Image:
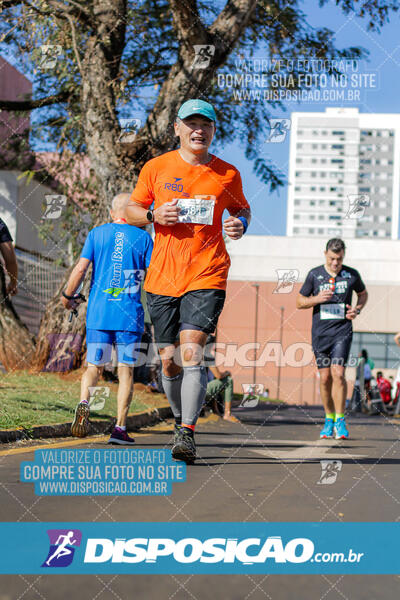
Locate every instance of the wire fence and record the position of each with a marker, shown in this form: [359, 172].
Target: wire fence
[38, 279]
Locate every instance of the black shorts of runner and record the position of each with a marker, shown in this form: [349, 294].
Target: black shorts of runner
[197, 310]
[336, 353]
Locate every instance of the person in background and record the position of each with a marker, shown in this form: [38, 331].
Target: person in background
[385, 387]
[10, 259]
[394, 387]
[368, 366]
[120, 255]
[221, 382]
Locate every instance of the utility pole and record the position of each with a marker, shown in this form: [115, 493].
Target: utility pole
[257, 286]
[279, 366]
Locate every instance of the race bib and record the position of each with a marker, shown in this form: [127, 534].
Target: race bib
[332, 311]
[196, 210]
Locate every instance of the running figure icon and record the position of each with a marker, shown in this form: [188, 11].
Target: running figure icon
[62, 549]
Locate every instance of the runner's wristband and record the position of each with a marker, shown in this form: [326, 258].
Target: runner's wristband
[245, 223]
[74, 297]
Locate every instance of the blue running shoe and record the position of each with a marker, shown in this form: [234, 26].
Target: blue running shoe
[341, 429]
[327, 431]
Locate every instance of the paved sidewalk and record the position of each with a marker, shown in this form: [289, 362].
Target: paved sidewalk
[266, 468]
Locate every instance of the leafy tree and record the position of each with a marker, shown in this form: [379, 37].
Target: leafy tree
[116, 59]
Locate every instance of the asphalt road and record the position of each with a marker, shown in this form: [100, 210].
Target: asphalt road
[266, 468]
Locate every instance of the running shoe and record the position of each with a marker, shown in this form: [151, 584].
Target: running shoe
[120, 437]
[327, 431]
[80, 424]
[177, 429]
[184, 448]
[341, 429]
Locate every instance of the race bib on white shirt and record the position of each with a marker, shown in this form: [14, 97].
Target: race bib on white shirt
[196, 210]
[332, 311]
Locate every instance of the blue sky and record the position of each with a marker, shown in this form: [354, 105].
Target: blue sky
[269, 209]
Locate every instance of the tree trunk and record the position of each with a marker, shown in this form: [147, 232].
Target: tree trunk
[61, 341]
[17, 345]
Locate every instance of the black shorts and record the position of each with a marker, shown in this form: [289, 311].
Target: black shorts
[336, 353]
[199, 309]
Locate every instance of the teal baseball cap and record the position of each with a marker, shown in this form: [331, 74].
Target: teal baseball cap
[197, 107]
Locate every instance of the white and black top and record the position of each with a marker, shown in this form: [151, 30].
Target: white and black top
[329, 318]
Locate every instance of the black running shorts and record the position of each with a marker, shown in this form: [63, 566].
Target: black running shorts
[198, 310]
[336, 353]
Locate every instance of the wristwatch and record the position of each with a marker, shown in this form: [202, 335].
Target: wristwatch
[358, 310]
[150, 216]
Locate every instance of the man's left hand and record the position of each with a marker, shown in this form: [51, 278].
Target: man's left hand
[71, 304]
[351, 312]
[233, 228]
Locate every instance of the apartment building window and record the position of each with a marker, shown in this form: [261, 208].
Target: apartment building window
[337, 132]
[295, 230]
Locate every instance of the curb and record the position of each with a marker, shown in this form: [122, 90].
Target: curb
[133, 423]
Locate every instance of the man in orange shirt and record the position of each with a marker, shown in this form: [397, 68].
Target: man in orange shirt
[186, 279]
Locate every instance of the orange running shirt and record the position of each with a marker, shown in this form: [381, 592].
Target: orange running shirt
[187, 256]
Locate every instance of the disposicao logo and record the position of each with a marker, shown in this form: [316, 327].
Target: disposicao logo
[62, 547]
[190, 550]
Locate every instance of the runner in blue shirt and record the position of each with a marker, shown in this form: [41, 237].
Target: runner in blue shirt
[120, 254]
[328, 290]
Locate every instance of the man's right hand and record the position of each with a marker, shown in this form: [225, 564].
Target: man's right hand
[167, 214]
[324, 296]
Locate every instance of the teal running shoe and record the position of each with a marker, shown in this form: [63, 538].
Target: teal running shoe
[327, 431]
[341, 429]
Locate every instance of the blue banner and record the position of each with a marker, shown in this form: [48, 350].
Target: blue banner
[111, 472]
[91, 548]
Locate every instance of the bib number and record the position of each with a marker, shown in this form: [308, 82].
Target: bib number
[196, 210]
[332, 311]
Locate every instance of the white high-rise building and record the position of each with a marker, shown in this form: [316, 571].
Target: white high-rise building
[344, 174]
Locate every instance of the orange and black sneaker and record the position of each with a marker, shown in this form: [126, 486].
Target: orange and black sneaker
[80, 424]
